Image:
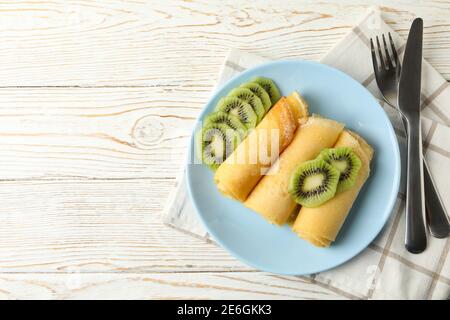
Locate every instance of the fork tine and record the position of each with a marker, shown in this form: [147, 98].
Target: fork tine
[386, 51]
[374, 57]
[394, 53]
[380, 54]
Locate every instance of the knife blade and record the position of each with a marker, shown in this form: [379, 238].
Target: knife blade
[410, 77]
[409, 104]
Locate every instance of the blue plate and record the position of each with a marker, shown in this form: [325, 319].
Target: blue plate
[253, 240]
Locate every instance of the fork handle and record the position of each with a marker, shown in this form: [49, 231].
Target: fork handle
[416, 236]
[437, 218]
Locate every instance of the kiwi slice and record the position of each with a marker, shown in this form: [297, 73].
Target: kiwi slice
[260, 93]
[270, 87]
[228, 119]
[218, 141]
[240, 109]
[313, 183]
[252, 99]
[346, 162]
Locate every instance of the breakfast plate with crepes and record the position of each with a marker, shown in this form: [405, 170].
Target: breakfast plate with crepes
[294, 168]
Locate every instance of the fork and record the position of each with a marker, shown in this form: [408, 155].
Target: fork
[387, 75]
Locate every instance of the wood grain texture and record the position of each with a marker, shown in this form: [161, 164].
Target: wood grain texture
[97, 226]
[86, 174]
[97, 102]
[74, 285]
[183, 43]
[108, 133]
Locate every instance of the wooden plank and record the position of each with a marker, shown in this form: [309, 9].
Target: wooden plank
[180, 43]
[66, 152]
[242, 285]
[95, 132]
[97, 226]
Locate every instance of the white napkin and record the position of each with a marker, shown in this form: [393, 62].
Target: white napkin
[385, 270]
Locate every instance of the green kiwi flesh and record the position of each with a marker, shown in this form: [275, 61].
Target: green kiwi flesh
[260, 93]
[233, 117]
[240, 109]
[313, 183]
[218, 141]
[228, 119]
[346, 162]
[252, 99]
[270, 87]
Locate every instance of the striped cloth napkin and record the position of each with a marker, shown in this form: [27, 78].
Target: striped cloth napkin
[385, 270]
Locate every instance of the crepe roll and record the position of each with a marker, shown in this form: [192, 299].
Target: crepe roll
[321, 225]
[271, 198]
[242, 170]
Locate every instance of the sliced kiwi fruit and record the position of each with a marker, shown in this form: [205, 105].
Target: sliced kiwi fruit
[252, 99]
[346, 162]
[270, 87]
[260, 93]
[228, 119]
[218, 141]
[313, 183]
[239, 108]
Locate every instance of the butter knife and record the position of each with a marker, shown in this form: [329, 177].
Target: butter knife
[409, 104]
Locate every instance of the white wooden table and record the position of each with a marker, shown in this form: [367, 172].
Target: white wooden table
[97, 100]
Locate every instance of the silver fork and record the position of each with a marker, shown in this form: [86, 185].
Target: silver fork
[387, 75]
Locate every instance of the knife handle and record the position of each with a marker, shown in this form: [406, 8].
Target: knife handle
[437, 218]
[416, 235]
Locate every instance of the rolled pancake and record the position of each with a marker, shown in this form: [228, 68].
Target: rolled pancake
[271, 198]
[321, 225]
[242, 170]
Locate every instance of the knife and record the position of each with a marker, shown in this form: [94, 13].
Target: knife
[409, 104]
